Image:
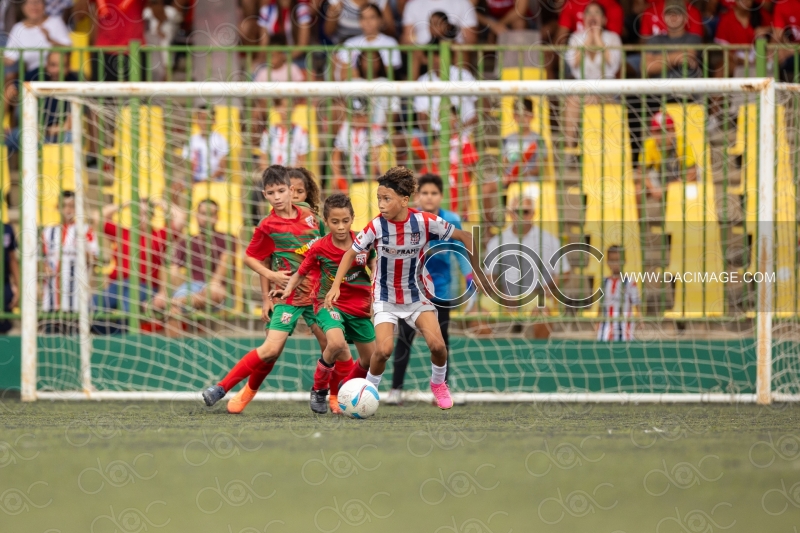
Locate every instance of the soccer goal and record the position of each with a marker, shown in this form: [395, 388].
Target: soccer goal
[692, 182]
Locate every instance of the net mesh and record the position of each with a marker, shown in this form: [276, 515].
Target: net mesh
[670, 180]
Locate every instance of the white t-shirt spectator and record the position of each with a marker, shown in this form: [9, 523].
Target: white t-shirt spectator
[60, 252]
[507, 269]
[430, 104]
[417, 15]
[284, 146]
[348, 24]
[356, 143]
[594, 68]
[205, 153]
[22, 36]
[389, 54]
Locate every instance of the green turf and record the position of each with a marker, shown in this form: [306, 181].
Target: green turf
[130, 467]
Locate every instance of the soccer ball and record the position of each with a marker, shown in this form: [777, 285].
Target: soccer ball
[358, 398]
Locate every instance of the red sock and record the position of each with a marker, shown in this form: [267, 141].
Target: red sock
[322, 375]
[246, 366]
[259, 375]
[340, 370]
[356, 371]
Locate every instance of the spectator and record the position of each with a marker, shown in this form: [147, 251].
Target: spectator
[427, 107]
[371, 37]
[620, 300]
[438, 266]
[417, 16]
[786, 21]
[56, 120]
[7, 20]
[571, 18]
[278, 68]
[520, 235]
[343, 18]
[152, 254]
[208, 149]
[666, 157]
[499, 16]
[360, 143]
[206, 257]
[385, 109]
[283, 143]
[118, 23]
[59, 256]
[35, 31]
[674, 63]
[525, 153]
[11, 276]
[58, 8]
[594, 54]
[742, 25]
[286, 22]
[654, 20]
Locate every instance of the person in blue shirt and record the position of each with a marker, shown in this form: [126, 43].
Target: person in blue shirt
[429, 199]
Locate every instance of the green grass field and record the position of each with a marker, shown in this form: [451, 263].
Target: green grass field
[130, 467]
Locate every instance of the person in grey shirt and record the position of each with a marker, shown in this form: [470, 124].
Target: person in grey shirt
[671, 63]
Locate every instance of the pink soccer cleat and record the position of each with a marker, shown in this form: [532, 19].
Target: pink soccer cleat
[442, 395]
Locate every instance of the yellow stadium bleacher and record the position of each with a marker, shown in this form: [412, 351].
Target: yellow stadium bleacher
[79, 59]
[58, 174]
[363, 195]
[540, 123]
[690, 120]
[228, 123]
[695, 247]
[611, 211]
[149, 163]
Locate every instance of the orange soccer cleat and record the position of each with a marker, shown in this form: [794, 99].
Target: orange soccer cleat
[237, 404]
[334, 403]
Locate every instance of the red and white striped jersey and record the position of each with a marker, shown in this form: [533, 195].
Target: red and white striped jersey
[619, 298]
[400, 277]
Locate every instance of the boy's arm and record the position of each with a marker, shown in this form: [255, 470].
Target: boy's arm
[279, 278]
[220, 270]
[219, 172]
[294, 281]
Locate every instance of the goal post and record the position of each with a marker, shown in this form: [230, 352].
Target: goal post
[116, 378]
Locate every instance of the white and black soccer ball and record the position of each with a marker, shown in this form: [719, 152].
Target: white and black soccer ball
[358, 398]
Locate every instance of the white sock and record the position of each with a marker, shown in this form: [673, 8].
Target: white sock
[438, 373]
[375, 380]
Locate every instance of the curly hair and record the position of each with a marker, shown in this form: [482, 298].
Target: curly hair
[399, 179]
[310, 183]
[275, 175]
[337, 201]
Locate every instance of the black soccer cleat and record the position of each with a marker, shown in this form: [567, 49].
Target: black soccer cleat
[213, 394]
[319, 401]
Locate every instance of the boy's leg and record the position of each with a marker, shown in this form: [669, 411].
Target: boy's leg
[444, 325]
[323, 374]
[428, 324]
[384, 344]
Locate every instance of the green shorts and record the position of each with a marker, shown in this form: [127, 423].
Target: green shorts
[285, 317]
[356, 329]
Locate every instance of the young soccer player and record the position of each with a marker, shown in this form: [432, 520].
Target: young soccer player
[399, 235]
[621, 299]
[350, 319]
[280, 236]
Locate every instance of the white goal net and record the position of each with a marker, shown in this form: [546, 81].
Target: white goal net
[148, 191]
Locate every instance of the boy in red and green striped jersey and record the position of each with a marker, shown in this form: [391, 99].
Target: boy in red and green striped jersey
[350, 320]
[282, 237]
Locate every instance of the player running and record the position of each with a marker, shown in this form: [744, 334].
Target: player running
[400, 290]
[282, 235]
[350, 319]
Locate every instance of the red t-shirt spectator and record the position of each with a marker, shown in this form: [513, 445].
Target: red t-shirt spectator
[787, 15]
[731, 31]
[152, 255]
[652, 21]
[572, 15]
[119, 22]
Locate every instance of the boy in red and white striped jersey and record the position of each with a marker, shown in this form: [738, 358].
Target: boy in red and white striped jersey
[400, 288]
[620, 299]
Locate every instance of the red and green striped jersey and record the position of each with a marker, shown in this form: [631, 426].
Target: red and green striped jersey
[355, 293]
[286, 241]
